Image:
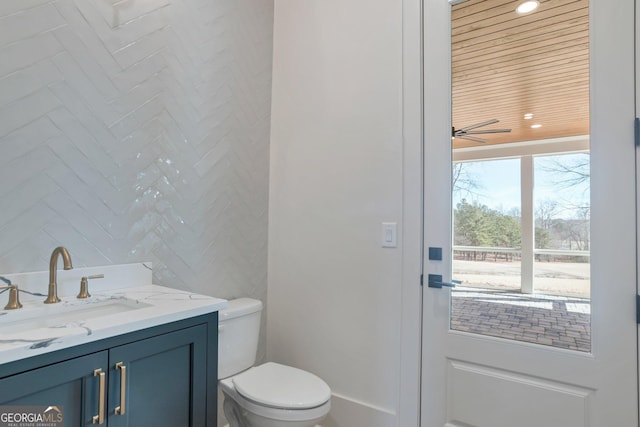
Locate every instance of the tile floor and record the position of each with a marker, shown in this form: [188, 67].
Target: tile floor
[557, 321]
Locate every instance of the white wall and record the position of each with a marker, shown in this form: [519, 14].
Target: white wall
[336, 175]
[136, 131]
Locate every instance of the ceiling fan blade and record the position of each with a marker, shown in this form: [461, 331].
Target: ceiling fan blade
[465, 132]
[471, 138]
[478, 125]
[478, 132]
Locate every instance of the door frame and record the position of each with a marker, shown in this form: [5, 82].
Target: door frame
[410, 395]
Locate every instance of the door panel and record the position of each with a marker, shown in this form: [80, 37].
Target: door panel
[480, 393]
[475, 380]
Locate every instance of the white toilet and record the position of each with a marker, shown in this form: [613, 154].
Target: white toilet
[269, 395]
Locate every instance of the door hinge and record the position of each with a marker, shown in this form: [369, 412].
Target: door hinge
[638, 309]
[636, 131]
[422, 281]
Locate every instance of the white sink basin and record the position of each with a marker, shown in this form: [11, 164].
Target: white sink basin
[60, 315]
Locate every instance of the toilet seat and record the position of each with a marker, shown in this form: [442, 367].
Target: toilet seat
[278, 414]
[283, 387]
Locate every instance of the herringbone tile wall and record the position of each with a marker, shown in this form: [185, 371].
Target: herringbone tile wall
[136, 130]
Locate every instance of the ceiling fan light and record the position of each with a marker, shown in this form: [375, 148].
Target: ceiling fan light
[527, 7]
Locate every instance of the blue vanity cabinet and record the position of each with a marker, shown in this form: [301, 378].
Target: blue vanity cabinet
[71, 386]
[165, 376]
[162, 383]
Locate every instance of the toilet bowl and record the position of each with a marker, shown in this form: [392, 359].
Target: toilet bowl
[272, 395]
[268, 395]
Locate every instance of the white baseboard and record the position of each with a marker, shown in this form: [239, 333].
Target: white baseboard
[346, 412]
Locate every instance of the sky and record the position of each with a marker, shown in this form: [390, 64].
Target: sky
[498, 184]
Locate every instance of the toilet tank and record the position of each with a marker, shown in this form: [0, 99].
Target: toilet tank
[238, 332]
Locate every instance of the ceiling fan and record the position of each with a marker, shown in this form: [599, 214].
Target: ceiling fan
[466, 132]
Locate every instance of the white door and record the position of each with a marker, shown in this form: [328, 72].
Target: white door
[470, 379]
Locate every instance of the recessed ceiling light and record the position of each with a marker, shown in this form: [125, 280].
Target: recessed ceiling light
[528, 116]
[527, 7]
[536, 126]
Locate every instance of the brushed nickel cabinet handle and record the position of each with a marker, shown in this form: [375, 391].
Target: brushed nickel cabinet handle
[120, 410]
[99, 419]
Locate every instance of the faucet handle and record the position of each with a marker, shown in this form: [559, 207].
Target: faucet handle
[14, 297]
[84, 285]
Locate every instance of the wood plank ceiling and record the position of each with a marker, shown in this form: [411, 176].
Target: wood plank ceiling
[506, 65]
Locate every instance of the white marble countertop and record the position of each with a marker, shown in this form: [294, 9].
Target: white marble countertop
[40, 328]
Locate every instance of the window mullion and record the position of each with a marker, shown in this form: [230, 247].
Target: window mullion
[527, 224]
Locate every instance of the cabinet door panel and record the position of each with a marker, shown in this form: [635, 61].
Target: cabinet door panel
[165, 383]
[69, 385]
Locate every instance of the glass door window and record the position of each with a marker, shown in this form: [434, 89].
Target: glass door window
[540, 295]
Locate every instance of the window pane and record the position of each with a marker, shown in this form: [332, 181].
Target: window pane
[488, 251]
[487, 233]
[562, 215]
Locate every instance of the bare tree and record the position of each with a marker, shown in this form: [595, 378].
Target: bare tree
[570, 171]
[546, 212]
[462, 180]
[572, 174]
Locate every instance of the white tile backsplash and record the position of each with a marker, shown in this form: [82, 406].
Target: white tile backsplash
[134, 131]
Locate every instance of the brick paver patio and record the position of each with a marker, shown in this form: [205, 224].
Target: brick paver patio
[542, 319]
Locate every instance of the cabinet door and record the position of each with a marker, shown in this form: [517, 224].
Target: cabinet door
[71, 386]
[163, 383]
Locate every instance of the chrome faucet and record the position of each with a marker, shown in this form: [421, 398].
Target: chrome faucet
[53, 271]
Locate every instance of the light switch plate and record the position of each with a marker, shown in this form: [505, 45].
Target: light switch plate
[389, 234]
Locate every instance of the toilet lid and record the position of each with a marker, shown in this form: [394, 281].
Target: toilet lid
[282, 386]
